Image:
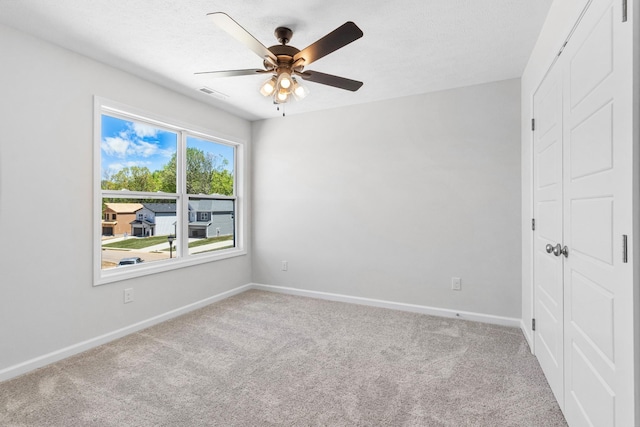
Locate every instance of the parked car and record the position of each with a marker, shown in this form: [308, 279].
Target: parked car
[130, 261]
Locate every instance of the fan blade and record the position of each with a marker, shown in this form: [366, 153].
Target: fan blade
[331, 80]
[235, 30]
[233, 73]
[333, 41]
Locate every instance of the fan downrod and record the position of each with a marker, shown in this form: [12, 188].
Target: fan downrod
[283, 34]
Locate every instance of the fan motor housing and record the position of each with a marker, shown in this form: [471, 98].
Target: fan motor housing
[284, 54]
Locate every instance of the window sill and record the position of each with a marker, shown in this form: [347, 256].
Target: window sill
[112, 275]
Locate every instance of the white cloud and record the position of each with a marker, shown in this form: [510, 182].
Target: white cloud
[125, 146]
[114, 167]
[143, 148]
[144, 131]
[115, 146]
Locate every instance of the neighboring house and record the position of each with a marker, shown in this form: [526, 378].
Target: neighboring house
[154, 219]
[207, 218]
[210, 218]
[117, 216]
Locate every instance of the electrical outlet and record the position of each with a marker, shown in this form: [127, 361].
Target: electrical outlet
[128, 295]
[456, 283]
[285, 266]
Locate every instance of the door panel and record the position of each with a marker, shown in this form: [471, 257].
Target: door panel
[593, 60]
[589, 395]
[592, 144]
[547, 277]
[548, 227]
[597, 177]
[589, 297]
[591, 228]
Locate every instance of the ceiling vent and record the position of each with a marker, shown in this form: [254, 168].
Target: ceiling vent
[213, 93]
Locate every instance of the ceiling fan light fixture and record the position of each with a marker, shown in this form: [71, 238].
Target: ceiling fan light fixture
[299, 91]
[284, 80]
[283, 61]
[281, 96]
[269, 86]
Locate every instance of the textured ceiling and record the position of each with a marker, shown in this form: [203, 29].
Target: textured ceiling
[409, 46]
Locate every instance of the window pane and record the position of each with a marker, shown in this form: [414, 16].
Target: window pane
[210, 167]
[136, 156]
[141, 232]
[211, 225]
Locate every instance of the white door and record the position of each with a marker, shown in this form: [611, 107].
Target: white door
[547, 278]
[597, 213]
[583, 172]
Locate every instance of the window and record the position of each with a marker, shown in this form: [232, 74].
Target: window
[176, 190]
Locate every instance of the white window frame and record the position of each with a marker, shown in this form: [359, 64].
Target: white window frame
[183, 259]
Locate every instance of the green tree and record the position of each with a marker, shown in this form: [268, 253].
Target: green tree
[133, 178]
[206, 174]
[222, 182]
[167, 176]
[200, 166]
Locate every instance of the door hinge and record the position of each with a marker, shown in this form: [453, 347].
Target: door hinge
[533, 124]
[533, 324]
[624, 249]
[533, 224]
[562, 48]
[624, 10]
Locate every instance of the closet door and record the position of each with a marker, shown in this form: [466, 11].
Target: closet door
[548, 268]
[597, 213]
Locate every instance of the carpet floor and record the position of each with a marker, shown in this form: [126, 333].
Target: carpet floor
[267, 359]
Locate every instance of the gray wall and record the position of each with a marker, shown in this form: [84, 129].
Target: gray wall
[389, 200]
[47, 301]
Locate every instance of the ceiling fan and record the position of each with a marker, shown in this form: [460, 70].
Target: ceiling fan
[284, 62]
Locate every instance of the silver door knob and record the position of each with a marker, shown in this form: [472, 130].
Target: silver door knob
[549, 248]
[559, 250]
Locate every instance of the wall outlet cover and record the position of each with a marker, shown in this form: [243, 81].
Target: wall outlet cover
[128, 295]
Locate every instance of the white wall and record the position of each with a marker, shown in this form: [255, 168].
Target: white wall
[47, 301]
[561, 18]
[389, 200]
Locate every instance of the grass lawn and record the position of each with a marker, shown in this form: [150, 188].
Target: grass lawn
[137, 242]
[201, 242]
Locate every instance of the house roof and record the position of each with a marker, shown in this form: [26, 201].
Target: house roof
[209, 205]
[198, 224]
[145, 223]
[160, 207]
[122, 208]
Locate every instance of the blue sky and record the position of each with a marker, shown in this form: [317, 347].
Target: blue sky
[127, 143]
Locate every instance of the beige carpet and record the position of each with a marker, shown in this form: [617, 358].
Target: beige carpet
[266, 359]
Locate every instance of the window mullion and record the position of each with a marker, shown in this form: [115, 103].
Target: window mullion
[183, 200]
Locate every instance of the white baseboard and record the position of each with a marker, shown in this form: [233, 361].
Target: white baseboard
[30, 365]
[434, 311]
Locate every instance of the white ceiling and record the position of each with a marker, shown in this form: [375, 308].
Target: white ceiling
[409, 46]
